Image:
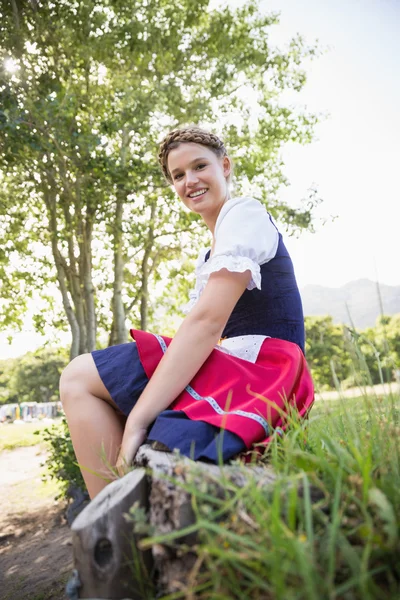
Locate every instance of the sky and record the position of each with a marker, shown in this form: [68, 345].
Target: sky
[354, 161]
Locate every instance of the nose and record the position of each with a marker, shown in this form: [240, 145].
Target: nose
[191, 178]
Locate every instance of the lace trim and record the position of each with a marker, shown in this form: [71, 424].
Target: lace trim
[194, 295]
[234, 264]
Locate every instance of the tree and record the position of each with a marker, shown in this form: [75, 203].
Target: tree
[33, 377]
[393, 338]
[87, 88]
[7, 395]
[326, 351]
[338, 353]
[379, 348]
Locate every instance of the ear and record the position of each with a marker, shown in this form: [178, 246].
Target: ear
[227, 167]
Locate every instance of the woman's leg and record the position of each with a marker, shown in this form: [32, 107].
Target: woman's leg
[94, 421]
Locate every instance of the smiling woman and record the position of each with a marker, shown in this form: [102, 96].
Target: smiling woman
[223, 384]
[200, 178]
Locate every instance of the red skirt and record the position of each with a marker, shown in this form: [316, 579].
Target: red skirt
[251, 400]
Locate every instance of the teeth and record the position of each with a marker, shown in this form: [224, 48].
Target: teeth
[197, 193]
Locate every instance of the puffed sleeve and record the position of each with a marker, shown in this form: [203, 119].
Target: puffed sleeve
[245, 238]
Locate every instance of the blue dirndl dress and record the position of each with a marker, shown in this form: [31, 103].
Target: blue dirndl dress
[245, 239]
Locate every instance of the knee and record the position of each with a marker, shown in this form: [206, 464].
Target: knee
[73, 378]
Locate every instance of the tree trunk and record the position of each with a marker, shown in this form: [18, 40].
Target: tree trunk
[15, 14]
[61, 268]
[103, 540]
[88, 286]
[144, 309]
[74, 273]
[118, 331]
[144, 299]
[74, 278]
[104, 543]
[73, 323]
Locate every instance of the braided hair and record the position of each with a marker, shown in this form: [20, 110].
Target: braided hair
[195, 135]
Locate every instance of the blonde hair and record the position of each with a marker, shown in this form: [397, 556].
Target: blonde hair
[194, 135]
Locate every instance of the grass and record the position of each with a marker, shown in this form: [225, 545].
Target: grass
[17, 436]
[329, 528]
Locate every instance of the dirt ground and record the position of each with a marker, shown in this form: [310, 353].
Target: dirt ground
[35, 541]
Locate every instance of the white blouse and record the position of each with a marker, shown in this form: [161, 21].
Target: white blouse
[245, 238]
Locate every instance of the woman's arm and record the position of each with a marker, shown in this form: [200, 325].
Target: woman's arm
[190, 347]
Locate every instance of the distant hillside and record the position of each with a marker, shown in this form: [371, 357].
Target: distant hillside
[361, 298]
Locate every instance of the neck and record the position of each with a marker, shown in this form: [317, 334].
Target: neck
[211, 219]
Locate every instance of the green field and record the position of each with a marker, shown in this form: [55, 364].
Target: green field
[16, 436]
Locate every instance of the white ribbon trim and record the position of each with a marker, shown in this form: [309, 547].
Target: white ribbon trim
[214, 404]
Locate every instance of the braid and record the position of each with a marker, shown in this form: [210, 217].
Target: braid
[188, 134]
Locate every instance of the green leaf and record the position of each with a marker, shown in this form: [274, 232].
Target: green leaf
[385, 511]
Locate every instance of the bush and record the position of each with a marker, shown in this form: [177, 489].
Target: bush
[62, 463]
[33, 377]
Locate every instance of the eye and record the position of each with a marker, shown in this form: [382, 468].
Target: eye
[177, 177]
[201, 166]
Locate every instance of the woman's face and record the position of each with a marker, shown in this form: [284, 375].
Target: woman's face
[199, 178]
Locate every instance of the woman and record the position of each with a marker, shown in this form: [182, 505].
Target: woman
[210, 401]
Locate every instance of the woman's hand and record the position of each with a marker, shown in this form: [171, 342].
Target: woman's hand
[132, 440]
[191, 346]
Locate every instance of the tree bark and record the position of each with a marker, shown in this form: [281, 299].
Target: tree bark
[15, 14]
[144, 299]
[118, 330]
[50, 201]
[156, 486]
[103, 540]
[88, 286]
[74, 274]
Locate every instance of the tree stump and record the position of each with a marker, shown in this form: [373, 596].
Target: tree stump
[104, 542]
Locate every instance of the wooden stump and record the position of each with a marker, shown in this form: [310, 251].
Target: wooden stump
[103, 538]
[170, 505]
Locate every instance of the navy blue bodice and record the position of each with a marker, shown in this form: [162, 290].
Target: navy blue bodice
[275, 310]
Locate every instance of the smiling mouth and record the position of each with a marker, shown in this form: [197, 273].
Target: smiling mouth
[198, 194]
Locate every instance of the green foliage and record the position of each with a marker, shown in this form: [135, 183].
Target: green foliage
[33, 377]
[94, 87]
[391, 331]
[37, 375]
[325, 346]
[355, 358]
[7, 394]
[61, 462]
